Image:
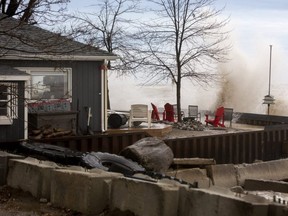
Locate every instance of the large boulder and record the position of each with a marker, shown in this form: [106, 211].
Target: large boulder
[152, 153]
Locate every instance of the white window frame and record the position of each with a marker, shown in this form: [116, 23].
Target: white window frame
[50, 70]
[12, 103]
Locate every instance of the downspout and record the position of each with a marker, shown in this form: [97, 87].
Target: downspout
[26, 97]
[104, 96]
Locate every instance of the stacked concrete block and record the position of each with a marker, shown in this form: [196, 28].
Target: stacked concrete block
[31, 175]
[224, 175]
[277, 210]
[86, 192]
[3, 168]
[191, 176]
[144, 198]
[266, 185]
[270, 170]
[229, 175]
[208, 202]
[94, 191]
[4, 158]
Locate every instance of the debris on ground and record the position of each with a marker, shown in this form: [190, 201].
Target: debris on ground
[190, 124]
[17, 202]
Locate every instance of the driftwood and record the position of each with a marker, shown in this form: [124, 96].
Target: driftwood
[49, 132]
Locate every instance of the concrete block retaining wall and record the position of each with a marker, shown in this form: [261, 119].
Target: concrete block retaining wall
[228, 175]
[271, 170]
[82, 191]
[192, 175]
[95, 191]
[215, 202]
[144, 198]
[266, 185]
[4, 158]
[31, 175]
[224, 175]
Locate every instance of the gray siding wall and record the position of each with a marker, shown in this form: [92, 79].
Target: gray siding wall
[86, 82]
[86, 87]
[10, 133]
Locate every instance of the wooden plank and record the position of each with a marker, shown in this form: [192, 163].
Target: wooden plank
[194, 161]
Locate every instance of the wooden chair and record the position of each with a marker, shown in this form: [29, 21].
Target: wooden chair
[168, 114]
[139, 113]
[193, 112]
[175, 110]
[218, 119]
[228, 115]
[155, 114]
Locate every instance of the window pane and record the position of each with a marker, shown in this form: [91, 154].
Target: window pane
[3, 108]
[9, 100]
[37, 87]
[49, 86]
[3, 92]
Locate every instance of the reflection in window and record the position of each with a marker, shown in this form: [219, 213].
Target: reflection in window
[9, 99]
[49, 85]
[3, 100]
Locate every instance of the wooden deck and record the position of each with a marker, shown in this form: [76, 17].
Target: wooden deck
[156, 129]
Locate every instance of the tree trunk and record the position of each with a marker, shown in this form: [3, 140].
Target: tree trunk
[108, 94]
[178, 95]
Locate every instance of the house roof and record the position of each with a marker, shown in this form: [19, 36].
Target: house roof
[20, 40]
[8, 73]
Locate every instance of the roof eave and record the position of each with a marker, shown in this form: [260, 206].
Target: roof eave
[60, 58]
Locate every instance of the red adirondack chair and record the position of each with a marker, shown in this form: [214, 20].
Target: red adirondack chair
[218, 119]
[168, 114]
[155, 114]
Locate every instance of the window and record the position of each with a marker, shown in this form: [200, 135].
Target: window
[8, 102]
[50, 83]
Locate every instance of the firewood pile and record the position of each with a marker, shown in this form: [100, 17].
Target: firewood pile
[48, 131]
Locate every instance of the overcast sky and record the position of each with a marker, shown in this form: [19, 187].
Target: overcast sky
[254, 24]
[263, 19]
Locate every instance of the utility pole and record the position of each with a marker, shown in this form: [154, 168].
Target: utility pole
[268, 99]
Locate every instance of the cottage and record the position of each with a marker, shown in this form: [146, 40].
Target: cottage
[59, 75]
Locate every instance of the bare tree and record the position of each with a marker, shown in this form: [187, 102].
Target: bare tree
[34, 11]
[183, 41]
[18, 16]
[109, 28]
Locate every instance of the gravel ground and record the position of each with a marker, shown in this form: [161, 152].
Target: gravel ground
[14, 202]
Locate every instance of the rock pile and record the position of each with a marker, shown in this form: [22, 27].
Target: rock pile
[190, 124]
